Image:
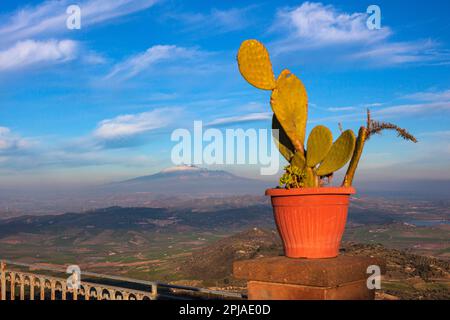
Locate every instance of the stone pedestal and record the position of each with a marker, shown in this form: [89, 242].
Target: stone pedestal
[282, 278]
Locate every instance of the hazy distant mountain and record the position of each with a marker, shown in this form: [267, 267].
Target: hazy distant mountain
[181, 186]
[193, 181]
[407, 189]
[187, 187]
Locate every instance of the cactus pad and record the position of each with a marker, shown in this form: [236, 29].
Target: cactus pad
[311, 180]
[290, 104]
[298, 160]
[283, 143]
[339, 154]
[255, 66]
[319, 143]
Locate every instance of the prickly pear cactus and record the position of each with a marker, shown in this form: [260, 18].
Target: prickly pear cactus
[311, 180]
[298, 160]
[290, 105]
[289, 101]
[339, 154]
[282, 140]
[255, 66]
[319, 143]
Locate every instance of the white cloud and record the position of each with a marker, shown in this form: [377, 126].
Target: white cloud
[386, 53]
[315, 24]
[25, 33]
[444, 134]
[257, 116]
[374, 104]
[93, 58]
[431, 103]
[49, 18]
[11, 142]
[217, 21]
[136, 64]
[131, 125]
[433, 108]
[339, 109]
[430, 96]
[30, 52]
[229, 20]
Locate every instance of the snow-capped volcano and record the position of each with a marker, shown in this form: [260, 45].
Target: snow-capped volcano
[188, 179]
[182, 168]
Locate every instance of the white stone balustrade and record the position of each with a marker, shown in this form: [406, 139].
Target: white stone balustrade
[15, 283]
[32, 286]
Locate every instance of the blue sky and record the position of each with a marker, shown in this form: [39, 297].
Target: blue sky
[99, 104]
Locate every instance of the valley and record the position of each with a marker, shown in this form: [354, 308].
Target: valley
[152, 243]
[194, 239]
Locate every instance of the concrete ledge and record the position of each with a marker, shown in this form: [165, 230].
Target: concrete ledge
[282, 278]
[310, 272]
[258, 290]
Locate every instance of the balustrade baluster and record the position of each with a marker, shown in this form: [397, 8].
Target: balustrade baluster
[42, 287]
[32, 288]
[63, 290]
[99, 293]
[13, 286]
[22, 287]
[154, 291]
[53, 289]
[112, 294]
[87, 291]
[12, 280]
[3, 281]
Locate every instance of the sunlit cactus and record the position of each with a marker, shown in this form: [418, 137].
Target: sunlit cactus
[315, 165]
[290, 105]
[255, 66]
[319, 143]
[340, 153]
[283, 142]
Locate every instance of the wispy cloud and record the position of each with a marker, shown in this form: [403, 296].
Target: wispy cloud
[429, 96]
[132, 125]
[136, 64]
[423, 104]
[427, 102]
[49, 18]
[11, 142]
[387, 53]
[257, 116]
[315, 26]
[339, 109]
[30, 35]
[320, 25]
[215, 21]
[432, 108]
[373, 104]
[30, 52]
[445, 134]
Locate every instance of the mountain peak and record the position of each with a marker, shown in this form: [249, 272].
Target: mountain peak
[182, 168]
[192, 180]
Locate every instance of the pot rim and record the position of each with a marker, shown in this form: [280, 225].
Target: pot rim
[275, 192]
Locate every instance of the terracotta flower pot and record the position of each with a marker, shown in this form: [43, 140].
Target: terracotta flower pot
[311, 221]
